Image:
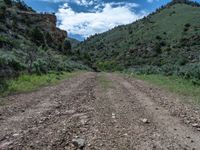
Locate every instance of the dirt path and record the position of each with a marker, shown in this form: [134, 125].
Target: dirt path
[99, 112]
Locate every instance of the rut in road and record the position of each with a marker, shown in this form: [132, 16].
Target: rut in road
[105, 111]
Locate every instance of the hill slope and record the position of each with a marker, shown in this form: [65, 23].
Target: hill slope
[30, 42]
[165, 41]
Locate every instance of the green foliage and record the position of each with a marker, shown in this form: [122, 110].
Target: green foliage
[174, 84]
[5, 41]
[67, 47]
[108, 66]
[49, 39]
[189, 71]
[8, 2]
[37, 36]
[9, 66]
[40, 67]
[26, 83]
[3, 85]
[2, 13]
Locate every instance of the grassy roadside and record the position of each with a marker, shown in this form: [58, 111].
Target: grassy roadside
[27, 83]
[174, 84]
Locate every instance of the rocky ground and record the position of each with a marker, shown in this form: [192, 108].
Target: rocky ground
[99, 112]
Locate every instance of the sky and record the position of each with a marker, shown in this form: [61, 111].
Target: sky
[83, 18]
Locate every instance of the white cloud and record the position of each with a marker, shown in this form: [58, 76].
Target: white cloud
[85, 2]
[78, 2]
[101, 19]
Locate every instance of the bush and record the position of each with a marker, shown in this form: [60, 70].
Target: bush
[67, 47]
[3, 85]
[109, 66]
[10, 66]
[187, 25]
[49, 39]
[188, 71]
[37, 36]
[40, 67]
[8, 2]
[2, 13]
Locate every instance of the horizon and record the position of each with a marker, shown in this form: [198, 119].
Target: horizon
[84, 18]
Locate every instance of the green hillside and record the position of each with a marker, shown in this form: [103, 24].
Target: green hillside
[167, 41]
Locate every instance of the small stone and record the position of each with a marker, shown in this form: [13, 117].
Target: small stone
[113, 116]
[195, 125]
[188, 122]
[79, 143]
[145, 120]
[84, 120]
[16, 134]
[4, 145]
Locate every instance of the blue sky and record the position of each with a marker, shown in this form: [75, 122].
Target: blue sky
[83, 18]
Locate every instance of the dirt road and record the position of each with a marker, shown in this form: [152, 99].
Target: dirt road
[99, 112]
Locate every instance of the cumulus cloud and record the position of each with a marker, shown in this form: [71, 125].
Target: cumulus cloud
[78, 2]
[104, 17]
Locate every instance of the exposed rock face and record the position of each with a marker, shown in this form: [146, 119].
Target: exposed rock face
[29, 41]
[47, 23]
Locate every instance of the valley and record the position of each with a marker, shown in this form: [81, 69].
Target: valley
[133, 87]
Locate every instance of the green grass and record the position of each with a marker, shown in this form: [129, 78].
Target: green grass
[27, 83]
[174, 84]
[104, 82]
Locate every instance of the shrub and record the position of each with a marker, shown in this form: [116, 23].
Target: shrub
[67, 47]
[21, 5]
[40, 67]
[10, 66]
[37, 36]
[2, 13]
[49, 39]
[158, 37]
[187, 25]
[8, 2]
[109, 66]
[3, 85]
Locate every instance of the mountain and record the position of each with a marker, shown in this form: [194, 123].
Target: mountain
[166, 41]
[74, 42]
[31, 42]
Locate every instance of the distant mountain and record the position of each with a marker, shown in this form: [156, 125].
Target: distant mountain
[74, 42]
[166, 41]
[31, 42]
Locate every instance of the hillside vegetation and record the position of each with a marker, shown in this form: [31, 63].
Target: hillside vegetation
[165, 42]
[31, 43]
